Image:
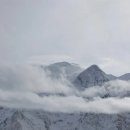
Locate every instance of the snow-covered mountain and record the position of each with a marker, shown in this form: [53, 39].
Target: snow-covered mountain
[63, 70]
[92, 76]
[73, 72]
[11, 119]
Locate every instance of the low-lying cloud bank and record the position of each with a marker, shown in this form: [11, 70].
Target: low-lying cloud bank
[20, 87]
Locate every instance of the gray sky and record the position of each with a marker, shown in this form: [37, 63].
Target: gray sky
[83, 31]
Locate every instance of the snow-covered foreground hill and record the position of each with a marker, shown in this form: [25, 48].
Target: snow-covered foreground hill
[12, 119]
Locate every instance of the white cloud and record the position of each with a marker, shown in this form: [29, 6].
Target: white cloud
[29, 78]
[19, 86]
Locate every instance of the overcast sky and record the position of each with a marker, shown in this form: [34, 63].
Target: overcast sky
[83, 31]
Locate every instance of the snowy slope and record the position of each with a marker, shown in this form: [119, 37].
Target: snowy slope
[39, 120]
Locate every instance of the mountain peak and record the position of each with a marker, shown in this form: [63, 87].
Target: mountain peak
[92, 76]
[94, 67]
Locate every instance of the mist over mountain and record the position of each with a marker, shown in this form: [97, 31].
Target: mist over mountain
[63, 70]
[62, 96]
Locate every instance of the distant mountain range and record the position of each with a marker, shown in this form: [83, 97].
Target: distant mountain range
[92, 76]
